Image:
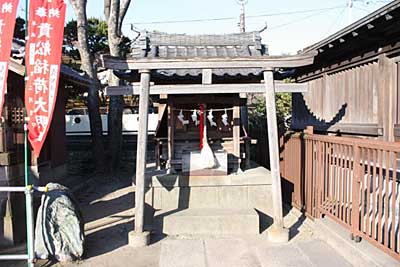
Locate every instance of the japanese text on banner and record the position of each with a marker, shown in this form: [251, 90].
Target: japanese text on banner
[44, 47]
[8, 11]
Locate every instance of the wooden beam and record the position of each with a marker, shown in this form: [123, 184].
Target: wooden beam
[386, 87]
[209, 99]
[397, 130]
[344, 128]
[388, 17]
[141, 151]
[171, 136]
[16, 67]
[207, 76]
[121, 90]
[236, 136]
[388, 50]
[261, 62]
[208, 89]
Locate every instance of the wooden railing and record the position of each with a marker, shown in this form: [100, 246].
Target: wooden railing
[356, 183]
[292, 168]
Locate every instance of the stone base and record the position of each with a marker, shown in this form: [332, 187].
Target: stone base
[139, 240]
[207, 221]
[278, 234]
[168, 194]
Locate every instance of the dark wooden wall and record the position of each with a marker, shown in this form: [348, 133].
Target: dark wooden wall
[57, 136]
[54, 150]
[359, 100]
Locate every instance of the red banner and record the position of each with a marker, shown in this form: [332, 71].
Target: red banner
[8, 11]
[43, 59]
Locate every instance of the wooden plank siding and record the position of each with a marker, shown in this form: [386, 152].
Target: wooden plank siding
[361, 100]
[397, 97]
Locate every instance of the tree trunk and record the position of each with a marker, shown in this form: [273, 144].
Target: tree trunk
[115, 11]
[87, 62]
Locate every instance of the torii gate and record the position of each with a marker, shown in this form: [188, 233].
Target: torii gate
[267, 64]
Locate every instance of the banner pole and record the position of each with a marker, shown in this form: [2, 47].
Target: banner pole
[25, 114]
[28, 197]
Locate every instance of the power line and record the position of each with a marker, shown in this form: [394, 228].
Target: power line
[339, 18]
[235, 18]
[382, 1]
[301, 19]
[363, 9]
[295, 12]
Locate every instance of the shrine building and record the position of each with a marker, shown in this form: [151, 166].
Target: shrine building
[201, 83]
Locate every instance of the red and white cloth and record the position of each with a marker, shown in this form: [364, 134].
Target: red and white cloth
[43, 59]
[8, 11]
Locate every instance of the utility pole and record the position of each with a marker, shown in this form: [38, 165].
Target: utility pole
[350, 4]
[242, 22]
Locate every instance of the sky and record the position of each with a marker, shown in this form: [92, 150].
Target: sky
[286, 33]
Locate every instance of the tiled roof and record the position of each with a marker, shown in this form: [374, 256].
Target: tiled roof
[170, 46]
[18, 55]
[18, 49]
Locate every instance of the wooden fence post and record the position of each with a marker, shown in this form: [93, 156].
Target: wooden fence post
[355, 206]
[309, 130]
[309, 173]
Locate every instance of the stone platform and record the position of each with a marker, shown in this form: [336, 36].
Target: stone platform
[206, 221]
[169, 194]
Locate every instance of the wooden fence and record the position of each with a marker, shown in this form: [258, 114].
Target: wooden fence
[292, 169]
[353, 181]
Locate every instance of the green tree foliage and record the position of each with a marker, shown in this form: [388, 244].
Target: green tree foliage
[97, 35]
[257, 112]
[97, 43]
[97, 38]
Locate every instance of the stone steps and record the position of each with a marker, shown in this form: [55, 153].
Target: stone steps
[209, 221]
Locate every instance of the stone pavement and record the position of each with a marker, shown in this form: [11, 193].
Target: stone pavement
[218, 252]
[235, 252]
[108, 212]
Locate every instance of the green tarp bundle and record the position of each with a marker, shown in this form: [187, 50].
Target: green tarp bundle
[59, 232]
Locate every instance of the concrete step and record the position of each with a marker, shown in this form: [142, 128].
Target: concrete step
[208, 221]
[358, 254]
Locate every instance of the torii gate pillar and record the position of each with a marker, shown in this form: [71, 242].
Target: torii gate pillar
[139, 237]
[276, 233]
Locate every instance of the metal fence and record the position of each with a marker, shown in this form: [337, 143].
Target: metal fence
[30, 257]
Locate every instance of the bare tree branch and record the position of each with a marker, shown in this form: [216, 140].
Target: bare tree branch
[113, 22]
[107, 4]
[79, 7]
[87, 65]
[124, 6]
[117, 12]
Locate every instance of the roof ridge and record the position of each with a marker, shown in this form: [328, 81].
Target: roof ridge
[234, 39]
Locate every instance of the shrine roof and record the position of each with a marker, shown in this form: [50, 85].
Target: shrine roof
[17, 65]
[357, 44]
[172, 46]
